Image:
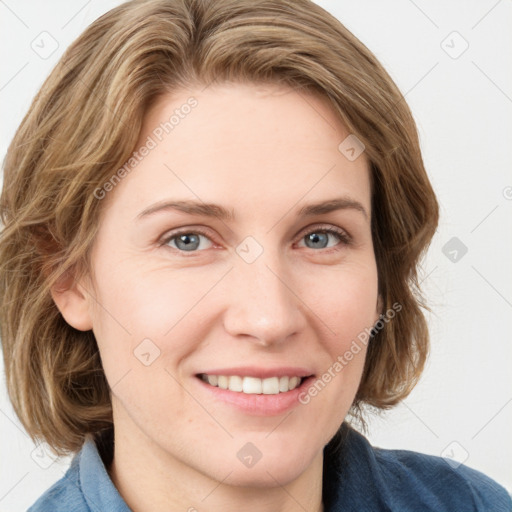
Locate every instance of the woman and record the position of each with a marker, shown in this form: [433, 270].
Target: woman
[213, 212]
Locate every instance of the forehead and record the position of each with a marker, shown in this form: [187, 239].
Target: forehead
[244, 145]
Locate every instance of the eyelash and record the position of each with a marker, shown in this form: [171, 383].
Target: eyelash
[344, 237]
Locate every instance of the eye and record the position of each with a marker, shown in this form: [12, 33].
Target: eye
[191, 240]
[318, 238]
[188, 241]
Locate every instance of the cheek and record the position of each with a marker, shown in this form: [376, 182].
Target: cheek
[153, 320]
[143, 315]
[347, 302]
[349, 308]
[167, 307]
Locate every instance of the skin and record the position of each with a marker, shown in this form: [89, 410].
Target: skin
[263, 152]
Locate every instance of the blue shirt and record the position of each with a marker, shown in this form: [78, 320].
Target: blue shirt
[357, 478]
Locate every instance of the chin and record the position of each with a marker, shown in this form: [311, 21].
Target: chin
[272, 473]
[258, 462]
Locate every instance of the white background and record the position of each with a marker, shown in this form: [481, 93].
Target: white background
[463, 107]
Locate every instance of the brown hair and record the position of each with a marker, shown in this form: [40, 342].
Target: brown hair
[84, 123]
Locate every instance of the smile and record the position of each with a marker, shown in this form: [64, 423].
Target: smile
[253, 385]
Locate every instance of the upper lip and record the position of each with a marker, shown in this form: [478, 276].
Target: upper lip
[261, 372]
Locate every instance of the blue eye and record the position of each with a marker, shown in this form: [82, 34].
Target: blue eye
[188, 241]
[319, 238]
[191, 241]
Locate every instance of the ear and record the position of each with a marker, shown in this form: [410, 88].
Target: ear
[72, 300]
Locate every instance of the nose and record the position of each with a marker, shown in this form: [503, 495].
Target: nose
[263, 305]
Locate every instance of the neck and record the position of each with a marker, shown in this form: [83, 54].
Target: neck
[148, 479]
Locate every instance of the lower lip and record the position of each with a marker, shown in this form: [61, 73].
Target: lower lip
[258, 404]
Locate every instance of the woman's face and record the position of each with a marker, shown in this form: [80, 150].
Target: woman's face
[263, 291]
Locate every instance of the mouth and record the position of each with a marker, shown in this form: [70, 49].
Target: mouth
[273, 385]
[256, 390]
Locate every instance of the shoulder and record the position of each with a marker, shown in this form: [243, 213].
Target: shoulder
[64, 495]
[363, 477]
[441, 484]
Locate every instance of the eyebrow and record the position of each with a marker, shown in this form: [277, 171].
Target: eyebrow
[220, 212]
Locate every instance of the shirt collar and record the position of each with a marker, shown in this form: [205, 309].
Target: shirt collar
[98, 489]
[347, 470]
[351, 477]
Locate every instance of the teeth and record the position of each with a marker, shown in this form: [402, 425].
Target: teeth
[236, 383]
[283, 384]
[270, 386]
[223, 382]
[253, 385]
[294, 382]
